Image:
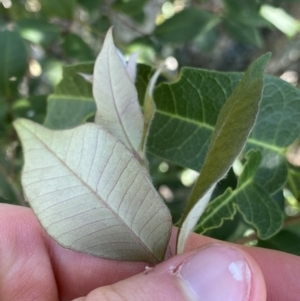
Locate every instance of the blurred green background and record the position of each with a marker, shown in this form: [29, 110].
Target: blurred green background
[38, 37]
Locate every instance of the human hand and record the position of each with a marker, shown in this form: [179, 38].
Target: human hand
[34, 267]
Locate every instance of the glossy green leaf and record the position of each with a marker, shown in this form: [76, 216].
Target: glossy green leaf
[250, 198]
[72, 102]
[13, 62]
[91, 194]
[234, 124]
[183, 26]
[118, 108]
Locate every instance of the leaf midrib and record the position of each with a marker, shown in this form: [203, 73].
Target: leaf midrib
[150, 255]
[211, 128]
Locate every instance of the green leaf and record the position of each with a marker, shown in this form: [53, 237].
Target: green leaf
[233, 126]
[58, 8]
[72, 102]
[183, 26]
[13, 62]
[118, 109]
[186, 114]
[244, 12]
[91, 194]
[272, 172]
[38, 31]
[249, 197]
[242, 33]
[75, 48]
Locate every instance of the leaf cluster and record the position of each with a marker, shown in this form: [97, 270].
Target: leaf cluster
[37, 40]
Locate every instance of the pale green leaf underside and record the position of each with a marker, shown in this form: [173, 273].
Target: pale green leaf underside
[118, 109]
[250, 198]
[191, 219]
[234, 124]
[91, 194]
[73, 103]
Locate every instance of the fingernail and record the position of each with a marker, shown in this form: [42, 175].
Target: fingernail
[216, 273]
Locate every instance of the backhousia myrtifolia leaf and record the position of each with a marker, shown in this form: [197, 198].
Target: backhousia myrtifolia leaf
[118, 109]
[91, 194]
[87, 185]
[192, 158]
[186, 114]
[249, 198]
[235, 121]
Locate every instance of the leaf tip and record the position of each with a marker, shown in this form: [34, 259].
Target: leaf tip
[263, 60]
[109, 35]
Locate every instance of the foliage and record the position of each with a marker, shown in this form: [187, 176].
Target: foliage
[47, 45]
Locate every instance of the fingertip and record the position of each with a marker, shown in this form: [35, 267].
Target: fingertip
[258, 285]
[212, 273]
[222, 272]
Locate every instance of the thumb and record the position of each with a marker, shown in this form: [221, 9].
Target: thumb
[216, 272]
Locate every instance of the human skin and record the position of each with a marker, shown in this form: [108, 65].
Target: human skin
[35, 267]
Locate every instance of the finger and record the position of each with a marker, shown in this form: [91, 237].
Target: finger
[26, 271]
[212, 273]
[25, 247]
[35, 267]
[281, 270]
